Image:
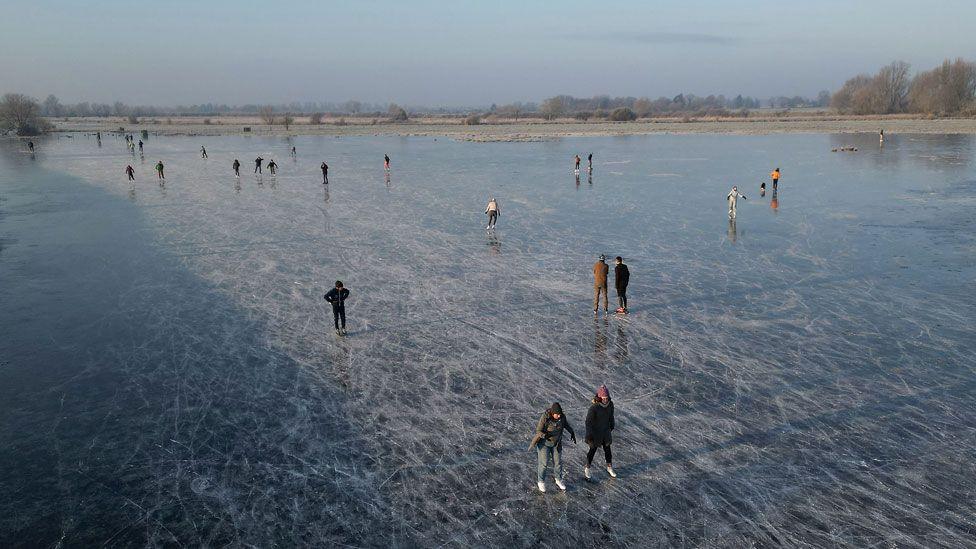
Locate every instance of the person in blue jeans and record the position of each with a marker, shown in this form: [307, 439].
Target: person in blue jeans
[548, 442]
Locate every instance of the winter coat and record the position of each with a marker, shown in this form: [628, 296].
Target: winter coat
[337, 297]
[621, 276]
[599, 424]
[550, 431]
[600, 271]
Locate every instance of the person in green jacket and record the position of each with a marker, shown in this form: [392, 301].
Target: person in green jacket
[548, 442]
[159, 170]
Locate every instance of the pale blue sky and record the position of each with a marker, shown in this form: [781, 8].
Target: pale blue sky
[462, 53]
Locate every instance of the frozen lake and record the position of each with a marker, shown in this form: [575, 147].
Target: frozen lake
[805, 376]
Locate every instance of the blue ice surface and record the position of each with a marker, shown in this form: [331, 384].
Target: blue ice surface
[802, 377]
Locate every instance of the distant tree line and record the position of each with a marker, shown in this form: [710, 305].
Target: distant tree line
[946, 90]
[604, 106]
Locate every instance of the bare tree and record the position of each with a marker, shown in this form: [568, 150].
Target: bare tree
[553, 107]
[316, 118]
[21, 113]
[287, 120]
[52, 107]
[397, 113]
[267, 114]
[119, 109]
[946, 89]
[891, 88]
[352, 107]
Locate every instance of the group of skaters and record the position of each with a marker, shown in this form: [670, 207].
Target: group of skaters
[734, 195]
[548, 439]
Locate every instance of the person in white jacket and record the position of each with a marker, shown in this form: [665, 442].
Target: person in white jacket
[492, 211]
[733, 197]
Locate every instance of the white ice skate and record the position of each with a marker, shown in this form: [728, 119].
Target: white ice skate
[542, 487]
[610, 472]
[586, 472]
[559, 483]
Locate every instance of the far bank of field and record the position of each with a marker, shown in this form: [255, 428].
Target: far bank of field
[525, 130]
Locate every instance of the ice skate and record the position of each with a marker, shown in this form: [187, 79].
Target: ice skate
[586, 472]
[559, 483]
[542, 486]
[610, 472]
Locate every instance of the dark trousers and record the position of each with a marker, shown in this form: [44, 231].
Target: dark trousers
[622, 297]
[325, 177]
[237, 172]
[339, 313]
[775, 183]
[606, 454]
[257, 169]
[132, 177]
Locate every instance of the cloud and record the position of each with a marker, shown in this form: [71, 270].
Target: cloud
[663, 38]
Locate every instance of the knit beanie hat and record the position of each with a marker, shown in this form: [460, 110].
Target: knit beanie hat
[603, 392]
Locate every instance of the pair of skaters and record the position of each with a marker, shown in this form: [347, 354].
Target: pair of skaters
[621, 278]
[548, 439]
[589, 160]
[272, 166]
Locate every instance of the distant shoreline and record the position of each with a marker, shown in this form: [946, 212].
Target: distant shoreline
[527, 130]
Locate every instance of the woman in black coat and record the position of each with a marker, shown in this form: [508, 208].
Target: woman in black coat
[599, 424]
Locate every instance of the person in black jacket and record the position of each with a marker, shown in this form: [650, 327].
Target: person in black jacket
[548, 441]
[237, 167]
[621, 277]
[337, 297]
[325, 173]
[599, 424]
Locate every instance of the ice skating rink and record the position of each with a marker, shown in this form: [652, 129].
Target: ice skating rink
[802, 377]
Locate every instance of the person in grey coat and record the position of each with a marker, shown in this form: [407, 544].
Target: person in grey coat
[548, 442]
[599, 425]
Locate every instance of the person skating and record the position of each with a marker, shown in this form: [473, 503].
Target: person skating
[386, 162]
[337, 297]
[548, 442]
[325, 173]
[272, 167]
[881, 138]
[775, 177]
[733, 197]
[257, 164]
[237, 167]
[621, 277]
[30, 146]
[599, 425]
[762, 188]
[294, 153]
[492, 211]
[600, 271]
[203, 152]
[577, 163]
[140, 146]
[589, 162]
[159, 170]
[130, 173]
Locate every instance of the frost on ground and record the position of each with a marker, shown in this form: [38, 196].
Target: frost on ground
[802, 377]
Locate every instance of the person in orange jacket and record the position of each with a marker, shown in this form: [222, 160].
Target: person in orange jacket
[775, 178]
[600, 272]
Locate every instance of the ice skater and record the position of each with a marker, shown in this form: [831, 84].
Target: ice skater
[733, 197]
[237, 168]
[621, 278]
[386, 162]
[775, 177]
[30, 146]
[159, 171]
[577, 164]
[203, 152]
[589, 163]
[257, 164]
[881, 138]
[272, 167]
[337, 298]
[548, 443]
[762, 188]
[600, 271]
[294, 153]
[325, 173]
[140, 146]
[599, 425]
[492, 211]
[130, 173]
